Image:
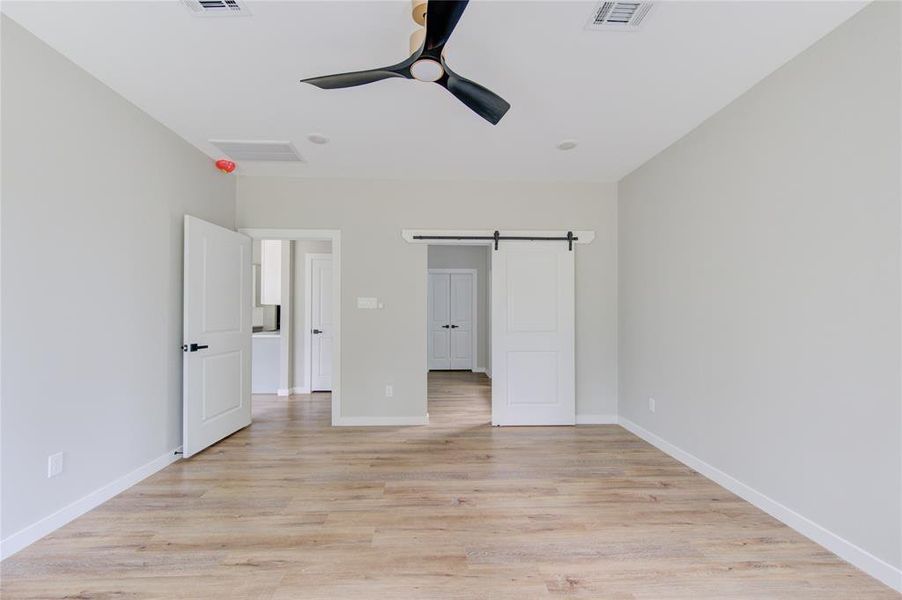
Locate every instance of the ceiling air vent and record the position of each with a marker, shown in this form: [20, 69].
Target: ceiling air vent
[619, 16]
[274, 151]
[217, 8]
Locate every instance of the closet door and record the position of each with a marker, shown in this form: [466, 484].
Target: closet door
[439, 321]
[461, 321]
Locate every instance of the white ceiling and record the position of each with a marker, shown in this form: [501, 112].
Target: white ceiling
[624, 95]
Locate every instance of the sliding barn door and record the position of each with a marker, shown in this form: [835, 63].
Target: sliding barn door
[218, 297]
[533, 362]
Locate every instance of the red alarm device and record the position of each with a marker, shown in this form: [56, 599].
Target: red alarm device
[226, 166]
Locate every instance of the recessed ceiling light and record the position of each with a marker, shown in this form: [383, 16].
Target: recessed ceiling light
[567, 145]
[318, 138]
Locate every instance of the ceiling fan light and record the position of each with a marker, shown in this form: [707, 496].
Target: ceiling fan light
[426, 70]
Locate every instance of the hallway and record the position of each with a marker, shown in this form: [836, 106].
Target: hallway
[459, 398]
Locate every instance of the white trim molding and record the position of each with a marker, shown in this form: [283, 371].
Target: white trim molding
[326, 235]
[587, 419]
[381, 421]
[585, 236]
[861, 558]
[29, 535]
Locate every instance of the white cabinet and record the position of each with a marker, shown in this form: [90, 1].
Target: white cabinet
[271, 272]
[265, 363]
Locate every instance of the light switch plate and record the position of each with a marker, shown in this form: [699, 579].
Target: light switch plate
[367, 303]
[54, 464]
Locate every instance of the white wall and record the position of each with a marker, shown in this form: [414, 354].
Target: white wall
[301, 249]
[94, 192]
[760, 287]
[470, 257]
[389, 345]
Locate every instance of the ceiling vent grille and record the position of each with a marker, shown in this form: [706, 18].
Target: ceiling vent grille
[619, 16]
[270, 151]
[217, 8]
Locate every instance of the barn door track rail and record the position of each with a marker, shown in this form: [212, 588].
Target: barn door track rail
[497, 237]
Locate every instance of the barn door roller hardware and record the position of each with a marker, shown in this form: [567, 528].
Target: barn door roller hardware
[497, 237]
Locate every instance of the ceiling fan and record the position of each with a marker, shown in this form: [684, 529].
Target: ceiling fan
[427, 63]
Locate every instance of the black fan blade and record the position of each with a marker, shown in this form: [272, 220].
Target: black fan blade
[441, 19]
[484, 102]
[345, 80]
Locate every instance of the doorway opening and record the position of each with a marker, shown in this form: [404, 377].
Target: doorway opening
[532, 306]
[295, 350]
[459, 334]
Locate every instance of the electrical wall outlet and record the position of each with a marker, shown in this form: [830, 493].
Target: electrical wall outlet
[651, 404]
[54, 464]
[389, 391]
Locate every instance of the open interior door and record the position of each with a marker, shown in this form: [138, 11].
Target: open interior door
[533, 357]
[216, 376]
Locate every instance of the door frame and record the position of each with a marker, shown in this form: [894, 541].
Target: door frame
[474, 275]
[308, 316]
[323, 235]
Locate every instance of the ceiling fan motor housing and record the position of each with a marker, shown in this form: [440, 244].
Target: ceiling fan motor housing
[418, 12]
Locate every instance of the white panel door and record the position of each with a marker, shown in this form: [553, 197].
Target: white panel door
[439, 321]
[216, 377]
[323, 324]
[461, 320]
[533, 363]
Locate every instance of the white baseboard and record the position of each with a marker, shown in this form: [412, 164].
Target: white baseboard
[380, 421]
[864, 560]
[596, 419]
[483, 370]
[300, 390]
[283, 392]
[32, 533]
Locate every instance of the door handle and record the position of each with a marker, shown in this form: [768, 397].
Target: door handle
[455, 326]
[316, 331]
[193, 347]
[446, 327]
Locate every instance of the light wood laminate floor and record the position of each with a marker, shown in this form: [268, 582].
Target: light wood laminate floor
[291, 508]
